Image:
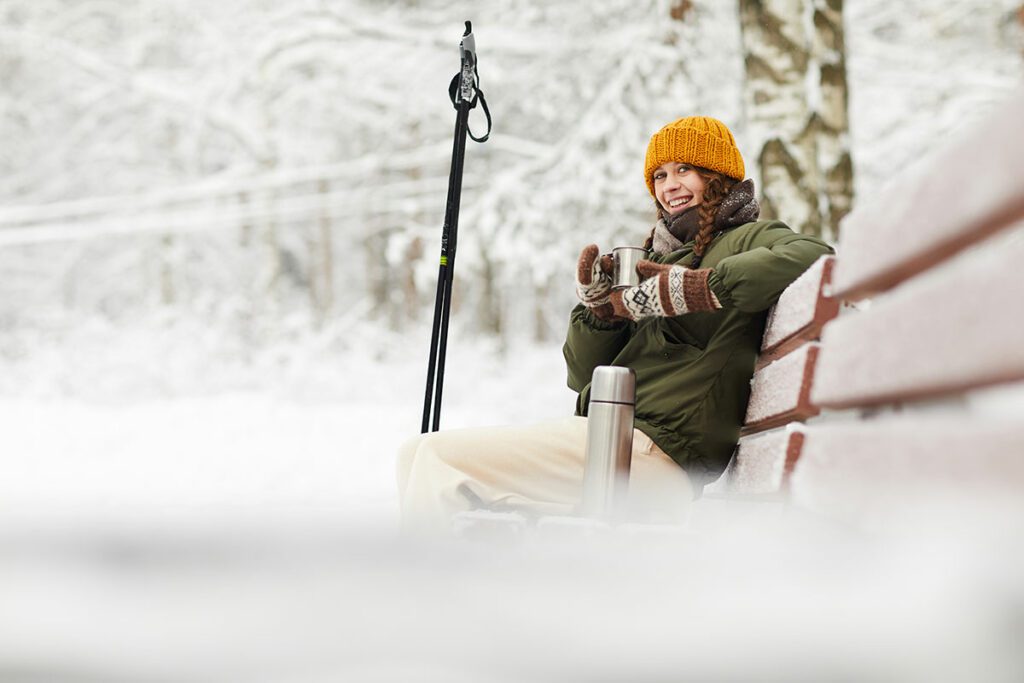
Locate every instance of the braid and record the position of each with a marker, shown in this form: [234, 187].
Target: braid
[716, 187]
[649, 242]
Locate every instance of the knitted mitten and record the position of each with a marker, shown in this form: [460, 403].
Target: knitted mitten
[667, 291]
[594, 282]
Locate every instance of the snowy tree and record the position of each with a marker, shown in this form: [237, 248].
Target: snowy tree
[275, 169]
[779, 115]
[836, 165]
[796, 103]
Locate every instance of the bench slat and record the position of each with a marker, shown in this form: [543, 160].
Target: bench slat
[760, 464]
[958, 327]
[963, 194]
[781, 392]
[859, 471]
[801, 311]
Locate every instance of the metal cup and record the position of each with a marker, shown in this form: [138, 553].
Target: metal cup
[624, 260]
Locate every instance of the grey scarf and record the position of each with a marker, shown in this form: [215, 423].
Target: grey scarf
[738, 207]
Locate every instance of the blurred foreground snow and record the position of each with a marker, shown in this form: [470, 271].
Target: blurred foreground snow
[278, 601]
[250, 535]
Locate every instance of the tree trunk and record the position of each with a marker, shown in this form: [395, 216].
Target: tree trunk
[167, 250]
[489, 304]
[779, 117]
[245, 229]
[414, 253]
[271, 247]
[378, 271]
[834, 131]
[321, 277]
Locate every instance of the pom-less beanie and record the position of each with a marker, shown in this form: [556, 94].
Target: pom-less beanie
[696, 140]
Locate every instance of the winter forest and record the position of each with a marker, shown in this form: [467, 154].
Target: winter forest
[219, 183]
[219, 234]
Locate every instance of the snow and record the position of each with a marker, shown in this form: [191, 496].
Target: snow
[759, 464]
[797, 306]
[778, 387]
[197, 460]
[302, 434]
[989, 158]
[248, 533]
[945, 328]
[276, 602]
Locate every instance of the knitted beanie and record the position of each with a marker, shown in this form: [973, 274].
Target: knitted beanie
[696, 140]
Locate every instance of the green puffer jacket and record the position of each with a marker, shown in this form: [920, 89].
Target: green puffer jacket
[693, 371]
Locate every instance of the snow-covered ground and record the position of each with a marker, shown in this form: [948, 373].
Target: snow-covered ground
[288, 435]
[248, 535]
[212, 599]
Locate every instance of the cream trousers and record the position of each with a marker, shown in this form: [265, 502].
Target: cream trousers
[534, 468]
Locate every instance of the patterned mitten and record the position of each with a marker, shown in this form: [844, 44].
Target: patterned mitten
[594, 282]
[667, 291]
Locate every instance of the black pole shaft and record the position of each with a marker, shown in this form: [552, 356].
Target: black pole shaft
[446, 271]
[439, 297]
[438, 303]
[453, 239]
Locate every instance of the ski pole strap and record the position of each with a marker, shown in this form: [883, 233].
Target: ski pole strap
[487, 113]
[478, 94]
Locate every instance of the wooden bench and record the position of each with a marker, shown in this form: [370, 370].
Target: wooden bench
[874, 391]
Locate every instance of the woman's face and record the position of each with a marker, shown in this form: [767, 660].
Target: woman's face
[677, 187]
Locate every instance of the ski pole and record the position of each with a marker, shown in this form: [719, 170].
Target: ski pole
[464, 92]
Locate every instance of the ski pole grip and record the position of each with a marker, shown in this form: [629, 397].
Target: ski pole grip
[467, 53]
[609, 442]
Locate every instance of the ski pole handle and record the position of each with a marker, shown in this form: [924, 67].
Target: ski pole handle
[465, 85]
[467, 53]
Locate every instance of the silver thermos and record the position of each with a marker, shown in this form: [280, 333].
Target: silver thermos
[609, 442]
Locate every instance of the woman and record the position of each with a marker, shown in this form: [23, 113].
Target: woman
[690, 330]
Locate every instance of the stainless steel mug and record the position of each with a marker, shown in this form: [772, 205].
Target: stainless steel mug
[609, 442]
[624, 260]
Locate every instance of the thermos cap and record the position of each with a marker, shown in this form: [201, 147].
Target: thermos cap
[613, 384]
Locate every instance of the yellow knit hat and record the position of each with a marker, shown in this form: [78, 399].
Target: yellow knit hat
[697, 140]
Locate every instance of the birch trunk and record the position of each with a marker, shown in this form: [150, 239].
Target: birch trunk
[780, 120]
[834, 125]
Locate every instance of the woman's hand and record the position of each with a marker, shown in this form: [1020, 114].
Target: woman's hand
[594, 281]
[666, 291]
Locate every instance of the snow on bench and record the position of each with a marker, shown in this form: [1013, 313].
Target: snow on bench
[800, 313]
[780, 392]
[885, 393]
[884, 471]
[964, 193]
[953, 328]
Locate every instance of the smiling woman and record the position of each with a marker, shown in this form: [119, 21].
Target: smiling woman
[690, 331]
[678, 187]
[688, 194]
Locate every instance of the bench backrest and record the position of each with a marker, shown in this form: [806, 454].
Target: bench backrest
[927, 296]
